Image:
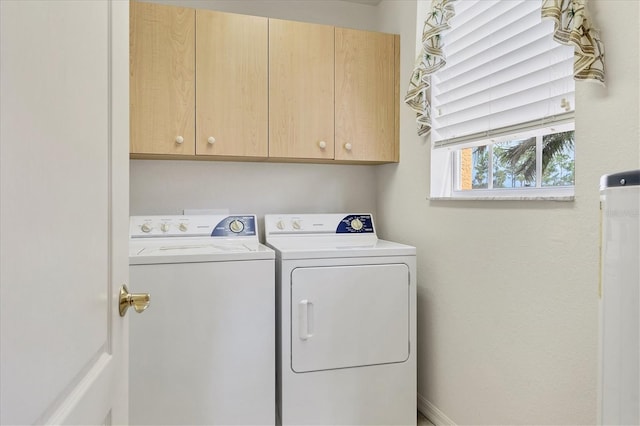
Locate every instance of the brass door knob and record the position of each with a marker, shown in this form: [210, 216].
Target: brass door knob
[139, 301]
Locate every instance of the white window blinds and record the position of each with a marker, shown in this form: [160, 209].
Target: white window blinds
[504, 75]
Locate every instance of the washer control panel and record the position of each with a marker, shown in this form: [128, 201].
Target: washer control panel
[193, 226]
[305, 224]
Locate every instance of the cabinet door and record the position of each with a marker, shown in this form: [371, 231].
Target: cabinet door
[367, 96]
[231, 81]
[162, 79]
[301, 90]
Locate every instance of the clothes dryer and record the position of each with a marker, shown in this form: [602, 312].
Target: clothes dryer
[204, 351]
[346, 321]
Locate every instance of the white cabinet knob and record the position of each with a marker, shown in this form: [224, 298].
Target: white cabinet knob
[179, 139]
[347, 146]
[211, 140]
[322, 144]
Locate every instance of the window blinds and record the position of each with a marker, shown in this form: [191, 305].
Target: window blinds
[504, 75]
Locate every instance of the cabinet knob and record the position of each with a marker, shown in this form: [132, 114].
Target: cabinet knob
[347, 146]
[322, 144]
[179, 139]
[211, 140]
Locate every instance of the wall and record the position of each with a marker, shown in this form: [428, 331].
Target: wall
[507, 291]
[164, 187]
[168, 187]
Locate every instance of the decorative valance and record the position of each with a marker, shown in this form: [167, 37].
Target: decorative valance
[572, 27]
[430, 59]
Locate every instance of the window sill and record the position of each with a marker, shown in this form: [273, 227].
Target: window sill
[442, 186]
[562, 194]
[503, 198]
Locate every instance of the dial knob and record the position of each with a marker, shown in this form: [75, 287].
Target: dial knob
[356, 224]
[280, 224]
[322, 144]
[347, 146]
[146, 228]
[236, 226]
[179, 139]
[296, 224]
[183, 227]
[211, 140]
[164, 227]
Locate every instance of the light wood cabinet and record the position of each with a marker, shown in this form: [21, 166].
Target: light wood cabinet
[301, 90]
[367, 103]
[208, 84]
[162, 79]
[231, 85]
[198, 82]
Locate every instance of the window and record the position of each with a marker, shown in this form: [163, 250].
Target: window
[503, 106]
[545, 160]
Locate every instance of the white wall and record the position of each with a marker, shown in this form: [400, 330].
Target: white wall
[507, 293]
[167, 187]
[328, 12]
[164, 187]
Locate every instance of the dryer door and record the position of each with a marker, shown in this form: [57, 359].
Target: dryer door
[349, 316]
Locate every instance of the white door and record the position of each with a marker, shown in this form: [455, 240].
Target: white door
[349, 316]
[64, 211]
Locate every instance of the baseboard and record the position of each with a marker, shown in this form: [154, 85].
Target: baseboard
[431, 412]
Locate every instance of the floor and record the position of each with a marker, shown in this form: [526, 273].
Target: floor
[423, 421]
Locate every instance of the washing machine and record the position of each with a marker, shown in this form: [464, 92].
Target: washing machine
[204, 350]
[346, 321]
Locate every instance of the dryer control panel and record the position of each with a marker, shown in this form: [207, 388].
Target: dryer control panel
[309, 224]
[193, 226]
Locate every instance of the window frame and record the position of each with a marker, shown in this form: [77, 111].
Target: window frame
[445, 184]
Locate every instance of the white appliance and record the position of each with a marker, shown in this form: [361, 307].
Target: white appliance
[346, 324]
[619, 387]
[204, 350]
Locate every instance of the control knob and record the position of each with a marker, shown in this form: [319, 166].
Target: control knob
[183, 227]
[236, 226]
[296, 224]
[280, 225]
[164, 227]
[146, 228]
[356, 224]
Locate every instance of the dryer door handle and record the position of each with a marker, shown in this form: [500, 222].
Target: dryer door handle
[305, 319]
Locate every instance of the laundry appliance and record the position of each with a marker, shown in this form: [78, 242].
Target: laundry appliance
[346, 321]
[619, 307]
[204, 351]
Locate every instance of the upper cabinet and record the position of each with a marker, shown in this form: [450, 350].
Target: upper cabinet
[162, 79]
[231, 85]
[225, 86]
[301, 90]
[198, 82]
[366, 104]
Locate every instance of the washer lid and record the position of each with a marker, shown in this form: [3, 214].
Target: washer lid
[185, 250]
